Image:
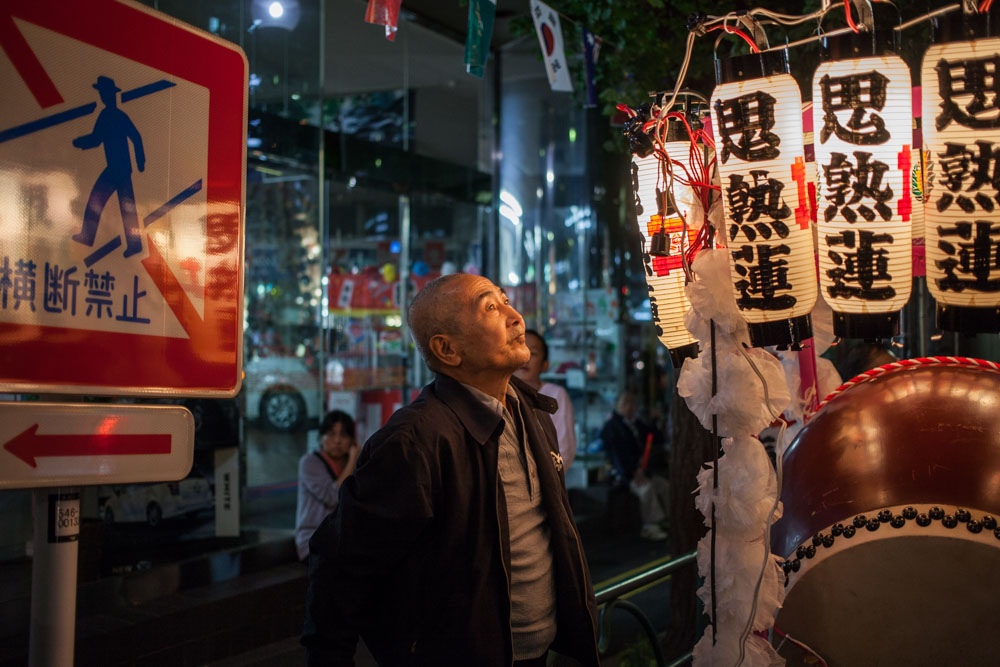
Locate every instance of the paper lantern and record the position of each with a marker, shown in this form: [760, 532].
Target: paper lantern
[961, 109]
[863, 129]
[662, 232]
[678, 147]
[758, 138]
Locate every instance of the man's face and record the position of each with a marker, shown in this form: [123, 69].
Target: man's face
[490, 332]
[626, 406]
[531, 371]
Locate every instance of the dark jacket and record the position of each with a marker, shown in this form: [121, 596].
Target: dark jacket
[416, 557]
[622, 447]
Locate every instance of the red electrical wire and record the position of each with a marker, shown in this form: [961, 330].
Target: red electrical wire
[626, 109]
[695, 174]
[695, 156]
[850, 21]
[801, 646]
[984, 6]
[740, 33]
[701, 185]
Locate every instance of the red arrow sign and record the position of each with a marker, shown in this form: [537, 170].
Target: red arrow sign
[28, 444]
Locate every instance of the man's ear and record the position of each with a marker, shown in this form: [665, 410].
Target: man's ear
[445, 351]
[545, 366]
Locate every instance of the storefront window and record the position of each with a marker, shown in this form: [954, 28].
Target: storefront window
[282, 343]
[554, 248]
[373, 235]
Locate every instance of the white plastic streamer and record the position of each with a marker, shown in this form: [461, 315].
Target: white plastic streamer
[711, 298]
[745, 474]
[739, 399]
[750, 389]
[726, 651]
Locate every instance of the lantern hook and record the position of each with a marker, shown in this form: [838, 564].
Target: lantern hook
[745, 25]
[753, 28]
[864, 10]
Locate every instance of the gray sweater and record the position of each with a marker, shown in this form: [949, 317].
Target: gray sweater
[318, 491]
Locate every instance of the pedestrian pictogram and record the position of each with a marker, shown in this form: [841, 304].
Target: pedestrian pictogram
[122, 171]
[114, 129]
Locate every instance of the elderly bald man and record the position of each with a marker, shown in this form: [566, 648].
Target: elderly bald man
[453, 542]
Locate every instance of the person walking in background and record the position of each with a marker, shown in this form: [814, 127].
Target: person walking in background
[626, 441]
[321, 474]
[454, 542]
[562, 418]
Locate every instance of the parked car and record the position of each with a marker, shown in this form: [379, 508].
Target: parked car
[124, 503]
[281, 392]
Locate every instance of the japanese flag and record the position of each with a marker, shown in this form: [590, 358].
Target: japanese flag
[551, 40]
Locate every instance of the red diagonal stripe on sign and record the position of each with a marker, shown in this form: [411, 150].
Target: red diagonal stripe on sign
[172, 291]
[26, 64]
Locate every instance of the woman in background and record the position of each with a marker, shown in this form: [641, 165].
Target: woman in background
[321, 473]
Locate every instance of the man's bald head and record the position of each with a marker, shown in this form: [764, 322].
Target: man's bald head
[434, 310]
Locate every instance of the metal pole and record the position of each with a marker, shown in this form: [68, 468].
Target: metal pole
[641, 579]
[921, 318]
[491, 258]
[53, 576]
[323, 207]
[404, 284]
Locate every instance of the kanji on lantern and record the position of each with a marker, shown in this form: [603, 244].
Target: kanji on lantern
[961, 102]
[849, 185]
[748, 201]
[960, 78]
[964, 169]
[758, 133]
[751, 119]
[864, 164]
[764, 273]
[973, 256]
[858, 93]
[856, 273]
[636, 198]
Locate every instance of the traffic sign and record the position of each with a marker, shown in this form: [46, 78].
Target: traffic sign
[122, 178]
[61, 444]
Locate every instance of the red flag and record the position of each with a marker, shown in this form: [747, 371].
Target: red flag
[647, 451]
[384, 12]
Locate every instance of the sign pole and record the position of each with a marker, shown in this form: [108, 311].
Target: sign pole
[53, 576]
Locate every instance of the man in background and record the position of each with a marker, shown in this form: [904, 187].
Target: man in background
[628, 444]
[562, 418]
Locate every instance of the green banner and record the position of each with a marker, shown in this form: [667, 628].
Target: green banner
[477, 41]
